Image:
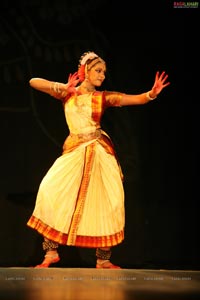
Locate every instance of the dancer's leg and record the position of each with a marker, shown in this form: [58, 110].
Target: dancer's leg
[51, 256]
[103, 259]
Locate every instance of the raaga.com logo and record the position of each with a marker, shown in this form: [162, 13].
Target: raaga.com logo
[186, 4]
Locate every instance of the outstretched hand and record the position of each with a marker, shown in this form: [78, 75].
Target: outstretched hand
[159, 83]
[73, 80]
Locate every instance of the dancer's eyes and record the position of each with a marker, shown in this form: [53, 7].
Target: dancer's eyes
[100, 70]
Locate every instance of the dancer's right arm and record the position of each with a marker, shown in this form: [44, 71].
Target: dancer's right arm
[56, 89]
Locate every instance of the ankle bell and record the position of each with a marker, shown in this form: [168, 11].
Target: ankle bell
[103, 254]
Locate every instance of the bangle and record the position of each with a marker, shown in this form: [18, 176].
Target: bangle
[56, 86]
[148, 96]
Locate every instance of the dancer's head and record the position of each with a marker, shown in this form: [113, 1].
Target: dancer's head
[89, 62]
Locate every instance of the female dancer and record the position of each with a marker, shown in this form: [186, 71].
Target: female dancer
[80, 201]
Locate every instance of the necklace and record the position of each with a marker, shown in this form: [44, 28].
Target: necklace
[84, 89]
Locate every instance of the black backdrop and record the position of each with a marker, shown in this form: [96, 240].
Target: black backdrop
[156, 143]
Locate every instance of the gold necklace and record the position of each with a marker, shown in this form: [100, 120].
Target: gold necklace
[84, 89]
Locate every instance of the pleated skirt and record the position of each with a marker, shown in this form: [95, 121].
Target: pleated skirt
[80, 201]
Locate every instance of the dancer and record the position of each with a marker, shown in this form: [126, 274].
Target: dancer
[80, 201]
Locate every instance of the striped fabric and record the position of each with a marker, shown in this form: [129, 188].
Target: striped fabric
[81, 241]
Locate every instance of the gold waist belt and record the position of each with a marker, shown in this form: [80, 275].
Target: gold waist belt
[86, 136]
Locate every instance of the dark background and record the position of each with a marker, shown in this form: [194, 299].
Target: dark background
[156, 143]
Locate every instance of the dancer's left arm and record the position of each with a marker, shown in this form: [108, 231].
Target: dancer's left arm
[159, 84]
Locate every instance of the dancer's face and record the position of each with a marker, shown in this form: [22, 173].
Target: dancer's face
[96, 74]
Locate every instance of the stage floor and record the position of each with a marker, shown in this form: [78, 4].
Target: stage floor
[94, 284]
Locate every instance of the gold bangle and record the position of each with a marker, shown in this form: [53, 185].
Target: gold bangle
[149, 97]
[56, 87]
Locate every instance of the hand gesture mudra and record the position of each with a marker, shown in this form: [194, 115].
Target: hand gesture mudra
[159, 83]
[73, 80]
